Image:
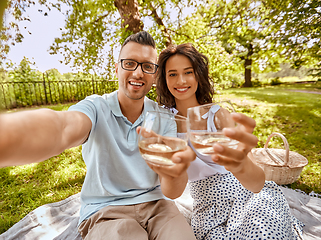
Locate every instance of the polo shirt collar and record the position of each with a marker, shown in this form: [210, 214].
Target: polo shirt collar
[113, 103]
[149, 105]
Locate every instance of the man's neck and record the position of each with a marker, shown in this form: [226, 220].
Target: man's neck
[131, 109]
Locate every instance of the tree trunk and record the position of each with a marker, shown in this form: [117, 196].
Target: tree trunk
[128, 10]
[247, 72]
[248, 66]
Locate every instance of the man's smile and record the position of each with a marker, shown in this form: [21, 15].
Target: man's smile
[136, 83]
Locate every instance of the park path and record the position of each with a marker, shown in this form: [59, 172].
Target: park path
[304, 91]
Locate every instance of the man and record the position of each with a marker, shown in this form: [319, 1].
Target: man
[122, 197]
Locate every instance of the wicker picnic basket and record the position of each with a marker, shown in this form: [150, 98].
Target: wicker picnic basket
[279, 165]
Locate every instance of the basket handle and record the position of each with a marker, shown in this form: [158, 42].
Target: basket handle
[273, 156]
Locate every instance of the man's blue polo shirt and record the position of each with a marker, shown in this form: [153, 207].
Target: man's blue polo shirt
[116, 172]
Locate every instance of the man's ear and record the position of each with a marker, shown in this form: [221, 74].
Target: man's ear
[116, 69]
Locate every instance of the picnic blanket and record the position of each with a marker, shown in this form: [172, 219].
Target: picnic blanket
[58, 221]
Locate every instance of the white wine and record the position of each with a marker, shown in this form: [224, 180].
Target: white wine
[160, 150]
[203, 141]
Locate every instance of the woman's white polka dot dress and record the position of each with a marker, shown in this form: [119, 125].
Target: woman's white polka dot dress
[224, 209]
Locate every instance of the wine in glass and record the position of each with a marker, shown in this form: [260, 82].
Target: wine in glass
[205, 124]
[158, 141]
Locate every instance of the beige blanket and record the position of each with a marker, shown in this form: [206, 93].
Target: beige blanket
[59, 220]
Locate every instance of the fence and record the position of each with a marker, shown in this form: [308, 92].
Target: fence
[23, 94]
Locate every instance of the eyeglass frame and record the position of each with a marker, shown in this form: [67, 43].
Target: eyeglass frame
[138, 63]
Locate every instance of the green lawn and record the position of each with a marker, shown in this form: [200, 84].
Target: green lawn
[275, 109]
[24, 188]
[296, 115]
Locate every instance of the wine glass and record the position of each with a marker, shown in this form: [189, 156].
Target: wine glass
[204, 127]
[158, 137]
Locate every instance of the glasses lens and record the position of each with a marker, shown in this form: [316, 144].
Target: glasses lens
[129, 64]
[149, 67]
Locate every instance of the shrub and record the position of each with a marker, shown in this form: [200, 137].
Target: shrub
[275, 81]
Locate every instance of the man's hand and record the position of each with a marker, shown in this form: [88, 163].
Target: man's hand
[182, 160]
[34, 136]
[173, 178]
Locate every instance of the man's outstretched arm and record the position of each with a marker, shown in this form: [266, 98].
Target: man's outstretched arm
[34, 136]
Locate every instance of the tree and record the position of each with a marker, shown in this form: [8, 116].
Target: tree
[24, 75]
[24, 72]
[3, 75]
[222, 65]
[94, 28]
[265, 33]
[243, 28]
[3, 5]
[251, 30]
[10, 33]
[297, 25]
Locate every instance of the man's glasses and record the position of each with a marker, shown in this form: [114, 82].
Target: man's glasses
[131, 65]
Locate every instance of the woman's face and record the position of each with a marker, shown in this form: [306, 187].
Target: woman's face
[180, 77]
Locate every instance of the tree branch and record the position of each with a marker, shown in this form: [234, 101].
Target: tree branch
[160, 22]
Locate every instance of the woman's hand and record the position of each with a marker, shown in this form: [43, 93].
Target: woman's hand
[238, 160]
[233, 159]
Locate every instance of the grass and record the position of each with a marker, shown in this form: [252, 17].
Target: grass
[296, 115]
[286, 80]
[276, 109]
[24, 188]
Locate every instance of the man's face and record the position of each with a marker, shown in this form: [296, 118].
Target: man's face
[135, 84]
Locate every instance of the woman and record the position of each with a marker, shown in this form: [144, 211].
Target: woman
[225, 205]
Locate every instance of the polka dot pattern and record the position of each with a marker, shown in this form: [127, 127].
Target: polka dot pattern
[224, 209]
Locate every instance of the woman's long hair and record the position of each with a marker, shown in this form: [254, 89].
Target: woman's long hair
[204, 92]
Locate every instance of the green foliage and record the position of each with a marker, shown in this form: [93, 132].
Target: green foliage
[223, 67]
[54, 75]
[276, 81]
[236, 35]
[316, 71]
[93, 28]
[300, 22]
[3, 75]
[243, 29]
[263, 34]
[23, 75]
[10, 33]
[286, 70]
[27, 87]
[24, 72]
[152, 94]
[90, 27]
[256, 83]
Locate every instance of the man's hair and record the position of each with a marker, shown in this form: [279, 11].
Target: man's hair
[143, 38]
[204, 92]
